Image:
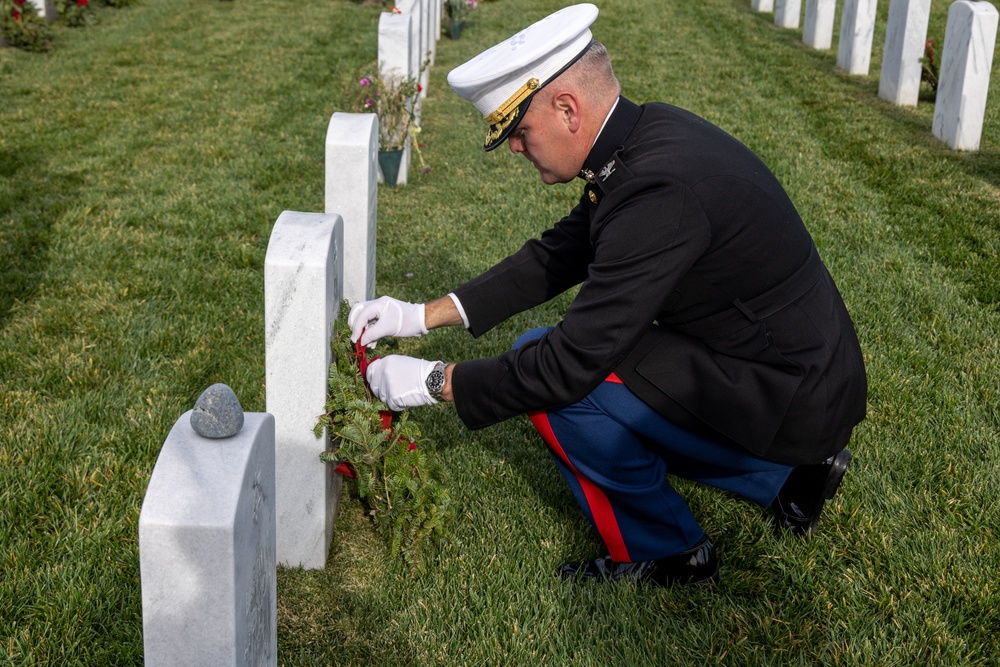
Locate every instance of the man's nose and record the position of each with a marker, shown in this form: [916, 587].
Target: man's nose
[518, 148]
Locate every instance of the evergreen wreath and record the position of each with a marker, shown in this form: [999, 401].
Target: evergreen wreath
[398, 482]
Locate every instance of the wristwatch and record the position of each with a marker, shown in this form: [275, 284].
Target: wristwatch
[435, 380]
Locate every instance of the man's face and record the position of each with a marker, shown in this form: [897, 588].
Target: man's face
[544, 139]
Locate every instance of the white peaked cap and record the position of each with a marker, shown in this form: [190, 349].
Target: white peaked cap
[500, 81]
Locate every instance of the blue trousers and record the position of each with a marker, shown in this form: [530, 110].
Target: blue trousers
[615, 453]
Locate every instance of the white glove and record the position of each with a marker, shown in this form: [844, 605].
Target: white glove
[401, 382]
[386, 316]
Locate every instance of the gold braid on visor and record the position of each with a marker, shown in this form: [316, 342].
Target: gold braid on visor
[512, 102]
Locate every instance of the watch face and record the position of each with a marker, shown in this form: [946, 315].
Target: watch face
[435, 382]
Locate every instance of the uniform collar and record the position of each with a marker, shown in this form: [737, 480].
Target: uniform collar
[624, 115]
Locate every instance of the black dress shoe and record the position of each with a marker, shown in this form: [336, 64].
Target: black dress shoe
[697, 565]
[801, 499]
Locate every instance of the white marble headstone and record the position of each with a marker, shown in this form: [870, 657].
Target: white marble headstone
[817, 31]
[419, 37]
[427, 46]
[396, 36]
[762, 5]
[787, 13]
[303, 279]
[964, 77]
[352, 191]
[437, 12]
[207, 549]
[396, 56]
[857, 30]
[905, 36]
[46, 9]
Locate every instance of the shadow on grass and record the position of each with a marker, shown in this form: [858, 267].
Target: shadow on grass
[30, 200]
[901, 160]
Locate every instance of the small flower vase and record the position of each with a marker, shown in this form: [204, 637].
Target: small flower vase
[455, 27]
[389, 161]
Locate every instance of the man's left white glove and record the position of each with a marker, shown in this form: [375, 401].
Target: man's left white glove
[401, 382]
[383, 317]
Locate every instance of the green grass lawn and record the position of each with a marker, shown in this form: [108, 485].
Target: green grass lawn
[142, 163]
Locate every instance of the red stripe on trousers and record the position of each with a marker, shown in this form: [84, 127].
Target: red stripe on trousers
[600, 506]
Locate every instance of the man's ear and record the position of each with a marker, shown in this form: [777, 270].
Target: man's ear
[568, 106]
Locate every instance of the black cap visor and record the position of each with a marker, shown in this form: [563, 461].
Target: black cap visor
[500, 130]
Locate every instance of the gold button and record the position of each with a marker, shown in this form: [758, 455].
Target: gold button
[593, 197]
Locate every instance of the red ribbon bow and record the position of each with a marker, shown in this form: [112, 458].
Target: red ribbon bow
[344, 467]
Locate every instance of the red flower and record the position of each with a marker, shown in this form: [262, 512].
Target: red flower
[17, 15]
[419, 88]
[412, 446]
[19, 3]
[82, 3]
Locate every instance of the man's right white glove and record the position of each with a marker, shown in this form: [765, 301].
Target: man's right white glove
[401, 382]
[383, 317]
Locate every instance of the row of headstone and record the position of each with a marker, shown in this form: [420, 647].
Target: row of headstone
[407, 39]
[313, 262]
[966, 56]
[220, 515]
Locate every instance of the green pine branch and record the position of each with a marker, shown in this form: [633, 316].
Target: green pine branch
[401, 486]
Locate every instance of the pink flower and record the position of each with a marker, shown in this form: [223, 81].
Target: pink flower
[396, 10]
[368, 103]
[365, 81]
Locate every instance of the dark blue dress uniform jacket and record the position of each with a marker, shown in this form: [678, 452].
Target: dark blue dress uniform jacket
[699, 286]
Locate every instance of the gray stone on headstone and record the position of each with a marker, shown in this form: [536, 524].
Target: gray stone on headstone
[964, 81]
[905, 36]
[857, 30]
[207, 550]
[217, 413]
[817, 31]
